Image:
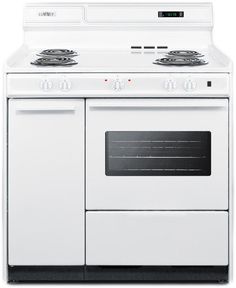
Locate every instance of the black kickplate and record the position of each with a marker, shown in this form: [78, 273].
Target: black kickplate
[45, 273]
[157, 273]
[204, 274]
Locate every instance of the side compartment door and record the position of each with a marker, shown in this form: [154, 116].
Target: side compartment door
[46, 182]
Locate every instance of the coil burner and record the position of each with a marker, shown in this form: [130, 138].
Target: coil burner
[55, 61]
[184, 53]
[57, 53]
[182, 58]
[180, 61]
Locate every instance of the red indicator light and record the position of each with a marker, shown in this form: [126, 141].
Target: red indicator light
[105, 80]
[129, 80]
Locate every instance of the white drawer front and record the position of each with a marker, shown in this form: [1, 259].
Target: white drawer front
[45, 182]
[157, 238]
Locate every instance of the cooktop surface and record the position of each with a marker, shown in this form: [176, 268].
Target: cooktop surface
[136, 61]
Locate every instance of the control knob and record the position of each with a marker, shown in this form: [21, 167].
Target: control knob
[170, 84]
[189, 85]
[118, 85]
[46, 85]
[65, 85]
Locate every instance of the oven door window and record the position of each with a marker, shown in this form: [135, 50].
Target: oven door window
[164, 153]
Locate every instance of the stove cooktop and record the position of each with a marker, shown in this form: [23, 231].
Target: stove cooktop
[116, 60]
[63, 57]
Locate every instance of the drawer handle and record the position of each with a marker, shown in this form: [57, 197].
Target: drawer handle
[45, 110]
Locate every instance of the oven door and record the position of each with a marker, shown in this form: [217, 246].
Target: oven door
[145, 154]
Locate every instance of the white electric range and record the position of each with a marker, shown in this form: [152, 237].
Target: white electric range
[118, 146]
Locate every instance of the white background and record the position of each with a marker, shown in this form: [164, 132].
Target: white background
[11, 34]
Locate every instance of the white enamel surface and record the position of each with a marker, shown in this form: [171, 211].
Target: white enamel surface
[118, 85]
[119, 61]
[109, 14]
[46, 182]
[102, 37]
[162, 192]
[103, 33]
[157, 238]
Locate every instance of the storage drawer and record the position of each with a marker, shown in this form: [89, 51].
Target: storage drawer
[157, 238]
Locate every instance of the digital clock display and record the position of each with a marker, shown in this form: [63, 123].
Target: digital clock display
[171, 14]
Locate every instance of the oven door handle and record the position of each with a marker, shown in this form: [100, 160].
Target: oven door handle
[159, 104]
